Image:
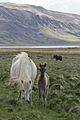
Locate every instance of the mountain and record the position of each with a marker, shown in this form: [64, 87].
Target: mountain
[34, 25]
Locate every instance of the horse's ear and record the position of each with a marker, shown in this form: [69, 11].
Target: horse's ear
[22, 81]
[45, 65]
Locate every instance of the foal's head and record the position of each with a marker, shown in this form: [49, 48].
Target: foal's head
[42, 69]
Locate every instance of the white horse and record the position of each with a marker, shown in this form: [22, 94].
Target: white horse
[23, 72]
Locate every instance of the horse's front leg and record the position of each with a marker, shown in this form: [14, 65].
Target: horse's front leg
[31, 97]
[45, 97]
[20, 97]
[40, 97]
[45, 101]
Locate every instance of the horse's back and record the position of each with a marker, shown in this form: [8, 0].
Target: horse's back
[23, 68]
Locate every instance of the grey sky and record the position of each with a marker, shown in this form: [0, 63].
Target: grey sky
[70, 6]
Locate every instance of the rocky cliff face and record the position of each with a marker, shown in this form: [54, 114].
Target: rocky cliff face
[34, 25]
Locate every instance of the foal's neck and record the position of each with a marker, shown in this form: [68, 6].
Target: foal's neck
[42, 75]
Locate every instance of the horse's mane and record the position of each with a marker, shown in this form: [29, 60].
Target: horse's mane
[22, 65]
[22, 54]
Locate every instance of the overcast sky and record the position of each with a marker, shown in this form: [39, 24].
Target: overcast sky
[70, 6]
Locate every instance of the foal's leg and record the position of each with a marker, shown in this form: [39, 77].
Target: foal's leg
[45, 98]
[40, 97]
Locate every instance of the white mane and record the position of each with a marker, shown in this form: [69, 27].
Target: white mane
[20, 55]
[23, 68]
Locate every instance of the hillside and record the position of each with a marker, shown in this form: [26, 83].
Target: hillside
[34, 25]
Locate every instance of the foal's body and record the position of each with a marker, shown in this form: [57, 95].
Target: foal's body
[43, 84]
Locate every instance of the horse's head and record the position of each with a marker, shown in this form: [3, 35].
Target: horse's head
[54, 56]
[42, 68]
[26, 90]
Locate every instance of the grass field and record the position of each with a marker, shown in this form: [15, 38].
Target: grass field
[64, 90]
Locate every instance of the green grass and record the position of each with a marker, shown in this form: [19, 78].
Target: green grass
[64, 90]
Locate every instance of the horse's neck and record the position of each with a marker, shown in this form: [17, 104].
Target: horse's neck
[42, 76]
[42, 80]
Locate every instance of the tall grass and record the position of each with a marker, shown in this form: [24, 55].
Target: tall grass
[63, 94]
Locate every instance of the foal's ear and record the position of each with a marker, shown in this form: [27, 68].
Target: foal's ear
[45, 65]
[39, 65]
[22, 81]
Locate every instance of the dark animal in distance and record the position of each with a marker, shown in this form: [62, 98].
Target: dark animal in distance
[57, 57]
[43, 84]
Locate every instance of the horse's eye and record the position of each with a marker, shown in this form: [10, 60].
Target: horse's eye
[30, 82]
[21, 81]
[23, 90]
